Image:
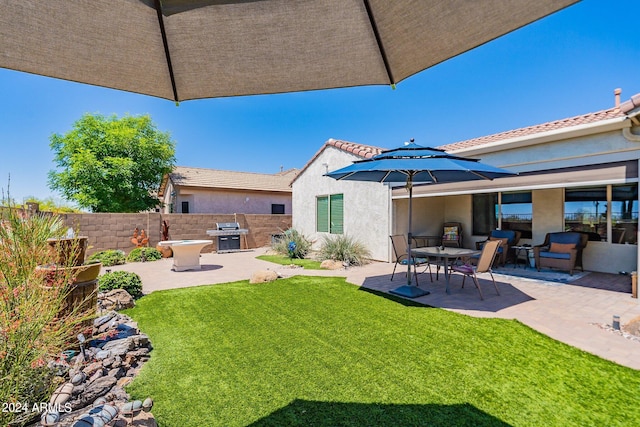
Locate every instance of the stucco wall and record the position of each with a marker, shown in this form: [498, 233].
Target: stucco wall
[229, 202]
[366, 204]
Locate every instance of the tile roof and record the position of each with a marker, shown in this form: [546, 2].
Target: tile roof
[360, 150]
[221, 179]
[611, 113]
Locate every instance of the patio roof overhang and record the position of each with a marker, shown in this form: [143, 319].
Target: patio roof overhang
[600, 174]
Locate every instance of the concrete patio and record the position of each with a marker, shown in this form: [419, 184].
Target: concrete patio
[572, 313]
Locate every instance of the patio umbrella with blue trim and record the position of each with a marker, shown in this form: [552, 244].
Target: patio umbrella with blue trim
[411, 164]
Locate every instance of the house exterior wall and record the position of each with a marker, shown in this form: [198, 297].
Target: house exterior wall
[230, 202]
[367, 205]
[597, 150]
[216, 201]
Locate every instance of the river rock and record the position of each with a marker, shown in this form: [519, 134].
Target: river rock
[61, 395]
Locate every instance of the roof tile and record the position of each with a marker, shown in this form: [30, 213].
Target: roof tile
[214, 178]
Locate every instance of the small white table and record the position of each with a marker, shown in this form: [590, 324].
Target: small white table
[186, 253]
[444, 253]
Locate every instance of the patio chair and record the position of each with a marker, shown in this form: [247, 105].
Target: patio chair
[509, 238]
[562, 250]
[452, 234]
[488, 255]
[399, 245]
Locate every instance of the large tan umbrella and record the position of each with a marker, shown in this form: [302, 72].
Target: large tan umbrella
[190, 49]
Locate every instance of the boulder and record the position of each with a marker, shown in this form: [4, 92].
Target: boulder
[330, 264]
[633, 327]
[263, 276]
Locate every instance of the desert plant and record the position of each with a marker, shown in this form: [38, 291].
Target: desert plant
[292, 244]
[34, 328]
[126, 280]
[109, 257]
[344, 248]
[144, 254]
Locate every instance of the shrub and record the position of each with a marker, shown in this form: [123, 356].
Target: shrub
[109, 257]
[292, 244]
[126, 280]
[344, 248]
[34, 329]
[144, 254]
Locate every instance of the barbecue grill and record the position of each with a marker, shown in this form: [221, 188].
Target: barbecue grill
[228, 234]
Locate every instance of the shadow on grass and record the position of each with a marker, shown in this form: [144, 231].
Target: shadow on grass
[313, 413]
[400, 300]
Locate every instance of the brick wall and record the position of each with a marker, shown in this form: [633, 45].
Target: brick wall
[114, 230]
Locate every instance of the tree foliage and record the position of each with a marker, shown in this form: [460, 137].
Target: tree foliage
[111, 164]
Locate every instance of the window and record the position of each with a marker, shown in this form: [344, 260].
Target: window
[485, 216]
[277, 209]
[624, 216]
[516, 211]
[329, 214]
[185, 207]
[585, 210]
[513, 212]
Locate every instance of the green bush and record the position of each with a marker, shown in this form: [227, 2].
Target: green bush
[144, 254]
[126, 280]
[109, 257]
[292, 244]
[344, 248]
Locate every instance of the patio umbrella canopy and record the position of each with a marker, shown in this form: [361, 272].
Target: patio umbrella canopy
[410, 164]
[190, 49]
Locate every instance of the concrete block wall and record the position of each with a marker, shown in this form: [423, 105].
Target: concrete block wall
[115, 230]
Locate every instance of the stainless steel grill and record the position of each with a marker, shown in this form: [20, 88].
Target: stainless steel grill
[228, 234]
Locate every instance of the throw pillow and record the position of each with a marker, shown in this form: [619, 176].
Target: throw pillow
[562, 247]
[451, 233]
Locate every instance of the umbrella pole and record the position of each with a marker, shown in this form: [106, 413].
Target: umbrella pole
[409, 290]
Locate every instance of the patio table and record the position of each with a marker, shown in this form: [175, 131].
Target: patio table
[186, 253]
[445, 254]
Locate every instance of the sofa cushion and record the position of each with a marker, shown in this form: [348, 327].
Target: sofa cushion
[561, 247]
[565, 237]
[556, 255]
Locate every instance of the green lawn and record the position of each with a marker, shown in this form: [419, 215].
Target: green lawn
[309, 351]
[307, 264]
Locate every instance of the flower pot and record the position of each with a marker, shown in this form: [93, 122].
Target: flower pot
[166, 251]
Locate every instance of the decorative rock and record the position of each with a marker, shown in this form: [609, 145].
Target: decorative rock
[103, 354]
[132, 408]
[119, 347]
[116, 299]
[98, 388]
[99, 401]
[61, 395]
[49, 418]
[147, 404]
[104, 319]
[330, 264]
[124, 381]
[96, 375]
[78, 378]
[263, 276]
[116, 373]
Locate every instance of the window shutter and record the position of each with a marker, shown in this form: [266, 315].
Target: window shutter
[322, 214]
[336, 212]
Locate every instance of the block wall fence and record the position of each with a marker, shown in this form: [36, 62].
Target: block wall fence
[115, 230]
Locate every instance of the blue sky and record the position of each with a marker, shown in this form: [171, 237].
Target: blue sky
[564, 65]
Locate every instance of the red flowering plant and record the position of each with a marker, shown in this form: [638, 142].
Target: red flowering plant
[35, 324]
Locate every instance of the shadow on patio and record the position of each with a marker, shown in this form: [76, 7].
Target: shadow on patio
[466, 298]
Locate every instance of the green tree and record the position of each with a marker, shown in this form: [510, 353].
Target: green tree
[111, 164]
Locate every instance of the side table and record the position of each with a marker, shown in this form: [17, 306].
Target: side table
[526, 250]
